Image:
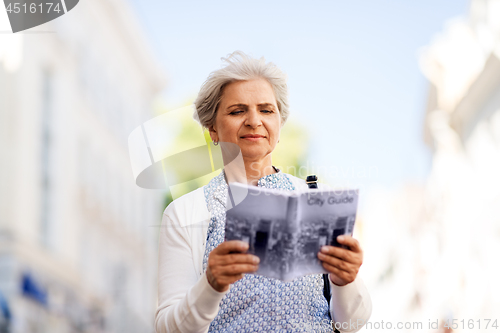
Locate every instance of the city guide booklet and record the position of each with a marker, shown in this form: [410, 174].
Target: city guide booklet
[287, 229]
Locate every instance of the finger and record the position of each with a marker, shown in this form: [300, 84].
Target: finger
[236, 269]
[340, 253]
[338, 263]
[236, 258]
[216, 261]
[231, 246]
[351, 242]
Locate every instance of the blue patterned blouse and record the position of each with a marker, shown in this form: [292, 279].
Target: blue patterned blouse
[257, 303]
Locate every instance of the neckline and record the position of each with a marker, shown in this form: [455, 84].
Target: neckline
[278, 172]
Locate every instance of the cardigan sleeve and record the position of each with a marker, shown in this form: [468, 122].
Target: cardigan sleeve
[350, 305]
[186, 302]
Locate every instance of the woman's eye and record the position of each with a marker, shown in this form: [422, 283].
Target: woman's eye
[236, 112]
[267, 111]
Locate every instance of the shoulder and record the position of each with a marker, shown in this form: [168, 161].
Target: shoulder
[189, 208]
[298, 183]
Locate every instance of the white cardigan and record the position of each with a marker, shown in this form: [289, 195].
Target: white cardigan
[186, 301]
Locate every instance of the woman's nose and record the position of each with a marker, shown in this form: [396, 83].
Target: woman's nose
[253, 118]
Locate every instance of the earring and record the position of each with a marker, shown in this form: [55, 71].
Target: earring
[216, 143]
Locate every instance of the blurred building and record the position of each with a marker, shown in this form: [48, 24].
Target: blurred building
[431, 251]
[391, 230]
[78, 251]
[463, 190]
[449, 231]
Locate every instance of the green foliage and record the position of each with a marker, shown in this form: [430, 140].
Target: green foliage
[291, 152]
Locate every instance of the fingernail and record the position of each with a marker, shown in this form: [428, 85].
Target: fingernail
[256, 260]
[244, 246]
[340, 238]
[324, 249]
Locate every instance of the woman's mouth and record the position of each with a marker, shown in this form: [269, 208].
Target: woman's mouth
[252, 137]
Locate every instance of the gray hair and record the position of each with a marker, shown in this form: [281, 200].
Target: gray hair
[240, 67]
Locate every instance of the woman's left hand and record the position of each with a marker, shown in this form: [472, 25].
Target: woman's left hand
[343, 264]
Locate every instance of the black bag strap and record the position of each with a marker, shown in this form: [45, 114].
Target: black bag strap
[312, 182]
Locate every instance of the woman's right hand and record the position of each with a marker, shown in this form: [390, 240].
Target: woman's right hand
[228, 262]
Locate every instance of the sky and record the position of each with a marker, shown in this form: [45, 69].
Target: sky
[352, 66]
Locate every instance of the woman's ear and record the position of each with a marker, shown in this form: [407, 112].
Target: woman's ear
[213, 133]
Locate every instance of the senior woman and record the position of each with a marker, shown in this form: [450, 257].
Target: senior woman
[205, 283]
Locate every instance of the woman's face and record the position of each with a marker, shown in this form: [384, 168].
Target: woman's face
[248, 116]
